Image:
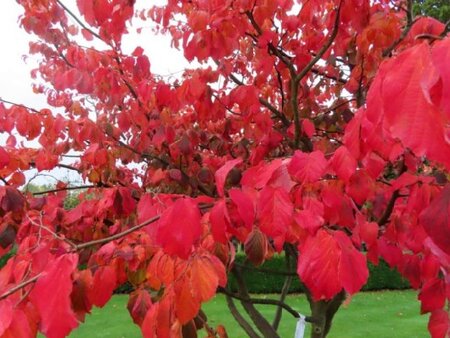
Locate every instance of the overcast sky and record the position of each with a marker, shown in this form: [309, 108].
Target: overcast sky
[15, 65]
[15, 82]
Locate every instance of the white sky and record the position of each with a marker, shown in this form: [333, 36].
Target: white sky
[15, 81]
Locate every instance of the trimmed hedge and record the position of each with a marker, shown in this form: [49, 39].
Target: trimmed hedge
[381, 277]
[5, 257]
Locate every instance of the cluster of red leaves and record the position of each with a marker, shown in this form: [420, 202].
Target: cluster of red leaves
[262, 149]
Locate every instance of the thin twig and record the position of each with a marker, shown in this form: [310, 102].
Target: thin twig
[405, 31]
[126, 232]
[446, 29]
[20, 286]
[239, 318]
[66, 166]
[265, 270]
[41, 225]
[324, 48]
[390, 206]
[285, 306]
[80, 22]
[19, 105]
[64, 189]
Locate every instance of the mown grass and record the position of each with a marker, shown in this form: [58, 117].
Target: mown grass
[391, 314]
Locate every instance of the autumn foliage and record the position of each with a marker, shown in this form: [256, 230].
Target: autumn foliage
[318, 129]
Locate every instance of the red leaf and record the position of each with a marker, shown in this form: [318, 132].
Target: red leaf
[220, 220]
[186, 304]
[436, 221]
[308, 127]
[245, 206]
[80, 293]
[4, 158]
[318, 265]
[256, 247]
[145, 208]
[309, 220]
[51, 296]
[157, 321]
[275, 212]
[343, 163]
[361, 187]
[439, 324]
[353, 270]
[246, 97]
[409, 115]
[23, 324]
[369, 232]
[258, 176]
[221, 174]
[6, 315]
[124, 203]
[328, 263]
[103, 285]
[440, 55]
[205, 278]
[11, 199]
[307, 168]
[138, 305]
[177, 234]
[432, 295]
[87, 10]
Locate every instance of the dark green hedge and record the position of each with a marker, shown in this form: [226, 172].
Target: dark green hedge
[5, 257]
[381, 277]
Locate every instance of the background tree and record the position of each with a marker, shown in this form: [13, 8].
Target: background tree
[317, 129]
[439, 9]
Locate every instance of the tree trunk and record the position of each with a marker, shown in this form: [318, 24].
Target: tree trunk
[323, 313]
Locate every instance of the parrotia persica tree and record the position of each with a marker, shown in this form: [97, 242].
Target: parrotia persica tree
[318, 129]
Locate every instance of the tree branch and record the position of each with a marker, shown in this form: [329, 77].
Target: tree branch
[20, 286]
[68, 11]
[324, 48]
[258, 319]
[19, 105]
[238, 317]
[264, 270]
[264, 102]
[64, 189]
[126, 232]
[275, 111]
[284, 292]
[262, 301]
[331, 77]
[405, 31]
[66, 166]
[390, 206]
[446, 29]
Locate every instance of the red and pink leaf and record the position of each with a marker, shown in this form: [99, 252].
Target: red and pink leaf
[439, 324]
[275, 211]
[222, 173]
[51, 296]
[436, 219]
[179, 228]
[307, 167]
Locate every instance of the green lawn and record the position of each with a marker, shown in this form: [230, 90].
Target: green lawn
[392, 314]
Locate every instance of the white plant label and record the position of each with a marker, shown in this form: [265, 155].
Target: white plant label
[300, 328]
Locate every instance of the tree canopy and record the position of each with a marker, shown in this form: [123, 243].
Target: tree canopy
[438, 9]
[317, 129]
